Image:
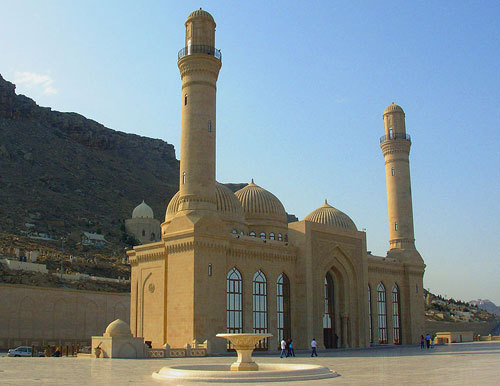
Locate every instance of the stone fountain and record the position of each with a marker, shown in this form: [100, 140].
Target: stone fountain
[244, 369]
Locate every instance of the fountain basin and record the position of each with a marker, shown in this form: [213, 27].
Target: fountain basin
[244, 344]
[223, 374]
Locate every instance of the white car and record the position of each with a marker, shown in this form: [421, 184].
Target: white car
[21, 351]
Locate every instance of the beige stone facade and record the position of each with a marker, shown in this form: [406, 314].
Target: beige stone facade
[230, 262]
[55, 316]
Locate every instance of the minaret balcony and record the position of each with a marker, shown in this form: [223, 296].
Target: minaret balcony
[395, 136]
[200, 49]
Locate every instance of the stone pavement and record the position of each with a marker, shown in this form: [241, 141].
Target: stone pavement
[458, 364]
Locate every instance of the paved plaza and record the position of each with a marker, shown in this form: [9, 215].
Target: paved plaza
[458, 364]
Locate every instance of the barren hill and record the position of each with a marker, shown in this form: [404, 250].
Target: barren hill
[62, 171]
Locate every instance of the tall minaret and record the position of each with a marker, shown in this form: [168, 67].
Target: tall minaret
[199, 63]
[395, 145]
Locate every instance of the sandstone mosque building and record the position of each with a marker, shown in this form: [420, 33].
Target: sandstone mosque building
[230, 262]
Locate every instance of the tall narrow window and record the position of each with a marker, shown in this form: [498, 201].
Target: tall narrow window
[395, 226]
[283, 307]
[185, 99]
[382, 314]
[391, 133]
[393, 171]
[271, 236]
[209, 126]
[370, 313]
[234, 305]
[396, 318]
[329, 336]
[183, 178]
[260, 307]
[280, 237]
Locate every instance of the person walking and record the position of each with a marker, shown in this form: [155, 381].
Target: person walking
[428, 340]
[314, 344]
[291, 351]
[283, 348]
[422, 342]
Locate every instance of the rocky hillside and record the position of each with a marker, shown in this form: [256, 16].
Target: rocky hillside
[61, 171]
[486, 305]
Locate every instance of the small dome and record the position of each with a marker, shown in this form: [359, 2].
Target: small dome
[118, 328]
[200, 14]
[393, 108]
[227, 204]
[142, 210]
[328, 215]
[258, 203]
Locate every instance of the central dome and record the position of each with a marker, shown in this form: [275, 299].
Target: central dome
[227, 204]
[259, 203]
[328, 215]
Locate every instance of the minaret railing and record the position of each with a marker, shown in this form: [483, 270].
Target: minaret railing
[393, 136]
[199, 49]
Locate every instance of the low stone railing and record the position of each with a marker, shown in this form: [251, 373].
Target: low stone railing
[193, 349]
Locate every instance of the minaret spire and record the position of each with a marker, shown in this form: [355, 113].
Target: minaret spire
[395, 145]
[199, 64]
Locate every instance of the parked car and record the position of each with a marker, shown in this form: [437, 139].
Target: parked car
[22, 351]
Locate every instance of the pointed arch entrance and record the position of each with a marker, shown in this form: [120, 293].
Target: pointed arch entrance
[330, 338]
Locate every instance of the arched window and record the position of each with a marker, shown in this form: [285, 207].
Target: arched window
[283, 307]
[185, 99]
[382, 314]
[183, 178]
[370, 313]
[143, 233]
[262, 235]
[209, 126]
[234, 305]
[252, 234]
[396, 318]
[271, 236]
[152, 236]
[280, 237]
[260, 307]
[234, 232]
[329, 337]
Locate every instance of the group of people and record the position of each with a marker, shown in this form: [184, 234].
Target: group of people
[288, 351]
[287, 348]
[428, 341]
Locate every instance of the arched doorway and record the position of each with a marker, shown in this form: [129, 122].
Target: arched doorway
[330, 338]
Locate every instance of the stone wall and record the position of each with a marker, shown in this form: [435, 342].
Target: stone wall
[37, 315]
[479, 328]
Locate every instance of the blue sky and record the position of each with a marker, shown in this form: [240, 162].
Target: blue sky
[300, 100]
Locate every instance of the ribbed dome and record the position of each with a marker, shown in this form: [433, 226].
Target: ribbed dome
[393, 108]
[118, 328]
[258, 202]
[227, 204]
[328, 215]
[142, 210]
[200, 14]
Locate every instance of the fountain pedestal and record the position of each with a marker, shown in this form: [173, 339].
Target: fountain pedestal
[244, 344]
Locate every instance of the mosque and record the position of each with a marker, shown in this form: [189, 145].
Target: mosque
[230, 262]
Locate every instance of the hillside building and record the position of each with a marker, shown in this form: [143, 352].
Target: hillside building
[231, 261]
[143, 226]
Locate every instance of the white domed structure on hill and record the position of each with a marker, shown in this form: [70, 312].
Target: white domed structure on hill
[232, 262]
[143, 225]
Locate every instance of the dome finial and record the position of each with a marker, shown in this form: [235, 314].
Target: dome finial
[326, 202]
[252, 181]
